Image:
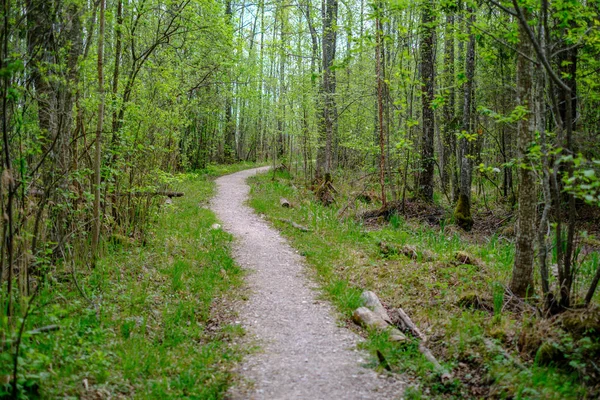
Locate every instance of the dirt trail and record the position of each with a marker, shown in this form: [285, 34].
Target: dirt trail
[304, 353]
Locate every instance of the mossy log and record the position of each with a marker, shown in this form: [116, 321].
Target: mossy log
[406, 250]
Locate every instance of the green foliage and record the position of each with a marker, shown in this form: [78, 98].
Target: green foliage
[585, 182]
[148, 330]
[346, 259]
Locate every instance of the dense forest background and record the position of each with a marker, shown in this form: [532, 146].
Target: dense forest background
[476, 106]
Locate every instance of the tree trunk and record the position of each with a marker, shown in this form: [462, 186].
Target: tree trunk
[99, 127]
[116, 71]
[425, 184]
[380, 103]
[448, 158]
[462, 212]
[327, 95]
[229, 137]
[521, 282]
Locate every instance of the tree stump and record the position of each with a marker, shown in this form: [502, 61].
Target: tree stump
[283, 202]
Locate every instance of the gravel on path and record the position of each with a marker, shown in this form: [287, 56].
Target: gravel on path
[304, 353]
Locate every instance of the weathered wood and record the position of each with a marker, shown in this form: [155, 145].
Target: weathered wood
[43, 329]
[416, 332]
[283, 202]
[295, 225]
[410, 325]
[444, 374]
[367, 318]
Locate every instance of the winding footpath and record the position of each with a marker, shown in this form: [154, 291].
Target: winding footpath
[304, 354]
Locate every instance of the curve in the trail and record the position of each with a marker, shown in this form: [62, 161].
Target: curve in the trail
[304, 353]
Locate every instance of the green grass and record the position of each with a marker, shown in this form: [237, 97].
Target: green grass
[346, 259]
[157, 326]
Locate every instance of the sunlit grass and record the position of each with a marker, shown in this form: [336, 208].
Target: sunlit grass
[346, 259]
[154, 327]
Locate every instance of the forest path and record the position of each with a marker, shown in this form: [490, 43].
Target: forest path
[304, 353]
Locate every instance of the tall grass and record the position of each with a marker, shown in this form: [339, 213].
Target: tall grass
[150, 325]
[346, 258]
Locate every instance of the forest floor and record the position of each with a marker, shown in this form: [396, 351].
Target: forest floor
[303, 353]
[452, 285]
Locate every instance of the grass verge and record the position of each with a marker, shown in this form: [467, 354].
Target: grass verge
[348, 257]
[157, 324]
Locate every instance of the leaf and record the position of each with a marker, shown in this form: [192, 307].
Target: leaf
[589, 173]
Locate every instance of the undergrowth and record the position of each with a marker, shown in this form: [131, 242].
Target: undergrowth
[151, 320]
[348, 257]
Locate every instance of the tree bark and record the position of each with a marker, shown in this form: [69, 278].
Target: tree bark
[521, 282]
[380, 89]
[448, 159]
[99, 127]
[327, 90]
[425, 184]
[229, 137]
[462, 212]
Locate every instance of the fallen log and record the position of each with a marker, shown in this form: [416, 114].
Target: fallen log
[407, 322]
[374, 315]
[416, 332]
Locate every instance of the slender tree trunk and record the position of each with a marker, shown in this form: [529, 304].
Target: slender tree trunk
[229, 137]
[380, 103]
[521, 282]
[281, 97]
[568, 111]
[425, 184]
[99, 127]
[462, 213]
[544, 227]
[326, 122]
[449, 176]
[116, 71]
[7, 178]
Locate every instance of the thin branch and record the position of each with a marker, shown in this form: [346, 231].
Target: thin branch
[538, 50]
[502, 42]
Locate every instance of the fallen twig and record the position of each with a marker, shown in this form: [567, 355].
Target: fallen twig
[43, 329]
[295, 225]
